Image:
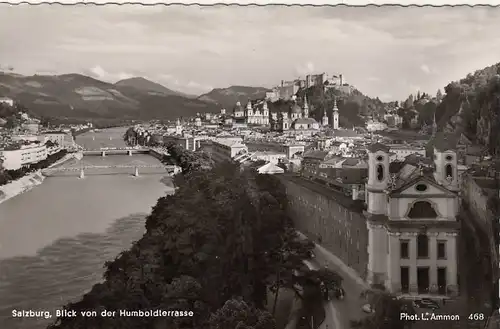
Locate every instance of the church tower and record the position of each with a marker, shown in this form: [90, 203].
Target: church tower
[249, 109]
[446, 165]
[335, 115]
[265, 110]
[378, 178]
[434, 125]
[306, 107]
[377, 198]
[324, 120]
[178, 127]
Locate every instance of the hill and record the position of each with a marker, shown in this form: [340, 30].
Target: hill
[472, 106]
[353, 106]
[227, 97]
[79, 96]
[147, 86]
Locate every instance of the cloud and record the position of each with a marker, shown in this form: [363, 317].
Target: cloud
[305, 69]
[195, 48]
[99, 73]
[425, 69]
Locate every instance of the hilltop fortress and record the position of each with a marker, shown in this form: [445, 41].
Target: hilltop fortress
[287, 89]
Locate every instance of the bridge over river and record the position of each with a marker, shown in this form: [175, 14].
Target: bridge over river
[118, 151]
[104, 169]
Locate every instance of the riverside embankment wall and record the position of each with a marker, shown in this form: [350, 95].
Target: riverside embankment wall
[27, 182]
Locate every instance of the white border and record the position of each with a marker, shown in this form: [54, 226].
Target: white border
[286, 2]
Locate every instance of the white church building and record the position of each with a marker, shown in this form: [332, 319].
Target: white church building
[412, 225]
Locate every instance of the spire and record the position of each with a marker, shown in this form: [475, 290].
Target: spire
[434, 124]
[264, 106]
[249, 105]
[335, 108]
[306, 107]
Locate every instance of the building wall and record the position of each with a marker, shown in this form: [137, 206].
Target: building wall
[343, 232]
[395, 262]
[477, 200]
[15, 159]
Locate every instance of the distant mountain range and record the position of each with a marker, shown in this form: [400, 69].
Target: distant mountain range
[79, 96]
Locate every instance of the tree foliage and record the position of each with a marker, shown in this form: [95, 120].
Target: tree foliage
[477, 98]
[214, 247]
[387, 311]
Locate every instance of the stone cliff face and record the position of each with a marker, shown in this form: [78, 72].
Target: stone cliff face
[472, 105]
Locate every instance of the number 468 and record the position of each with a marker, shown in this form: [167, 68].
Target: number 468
[476, 316]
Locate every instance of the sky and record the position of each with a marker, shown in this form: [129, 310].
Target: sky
[386, 52]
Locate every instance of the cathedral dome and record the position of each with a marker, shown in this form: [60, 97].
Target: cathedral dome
[296, 108]
[238, 107]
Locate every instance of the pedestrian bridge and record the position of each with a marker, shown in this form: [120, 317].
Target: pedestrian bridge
[82, 169]
[116, 151]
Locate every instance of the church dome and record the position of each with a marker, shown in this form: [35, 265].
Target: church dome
[296, 108]
[238, 107]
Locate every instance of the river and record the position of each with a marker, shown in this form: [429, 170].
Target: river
[55, 238]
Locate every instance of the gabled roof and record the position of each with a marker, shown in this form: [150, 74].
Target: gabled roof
[372, 148]
[314, 154]
[425, 177]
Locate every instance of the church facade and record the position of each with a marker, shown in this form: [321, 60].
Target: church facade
[412, 225]
[403, 234]
[296, 120]
[256, 115]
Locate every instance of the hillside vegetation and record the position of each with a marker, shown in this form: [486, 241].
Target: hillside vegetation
[76, 96]
[227, 97]
[352, 106]
[472, 106]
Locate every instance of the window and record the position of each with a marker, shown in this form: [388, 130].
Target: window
[405, 279]
[421, 187]
[422, 246]
[441, 249]
[380, 172]
[422, 209]
[449, 158]
[449, 171]
[404, 249]
[380, 158]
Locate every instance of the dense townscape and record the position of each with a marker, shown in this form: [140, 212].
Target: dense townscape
[268, 197]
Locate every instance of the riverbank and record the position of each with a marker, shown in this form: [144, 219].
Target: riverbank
[27, 182]
[21, 185]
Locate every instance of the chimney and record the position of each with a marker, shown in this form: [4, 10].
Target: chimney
[355, 192]
[341, 82]
[281, 83]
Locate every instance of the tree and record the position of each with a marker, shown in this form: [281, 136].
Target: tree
[387, 311]
[199, 251]
[237, 314]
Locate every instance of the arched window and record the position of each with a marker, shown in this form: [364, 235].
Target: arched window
[422, 246]
[422, 209]
[448, 170]
[380, 172]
